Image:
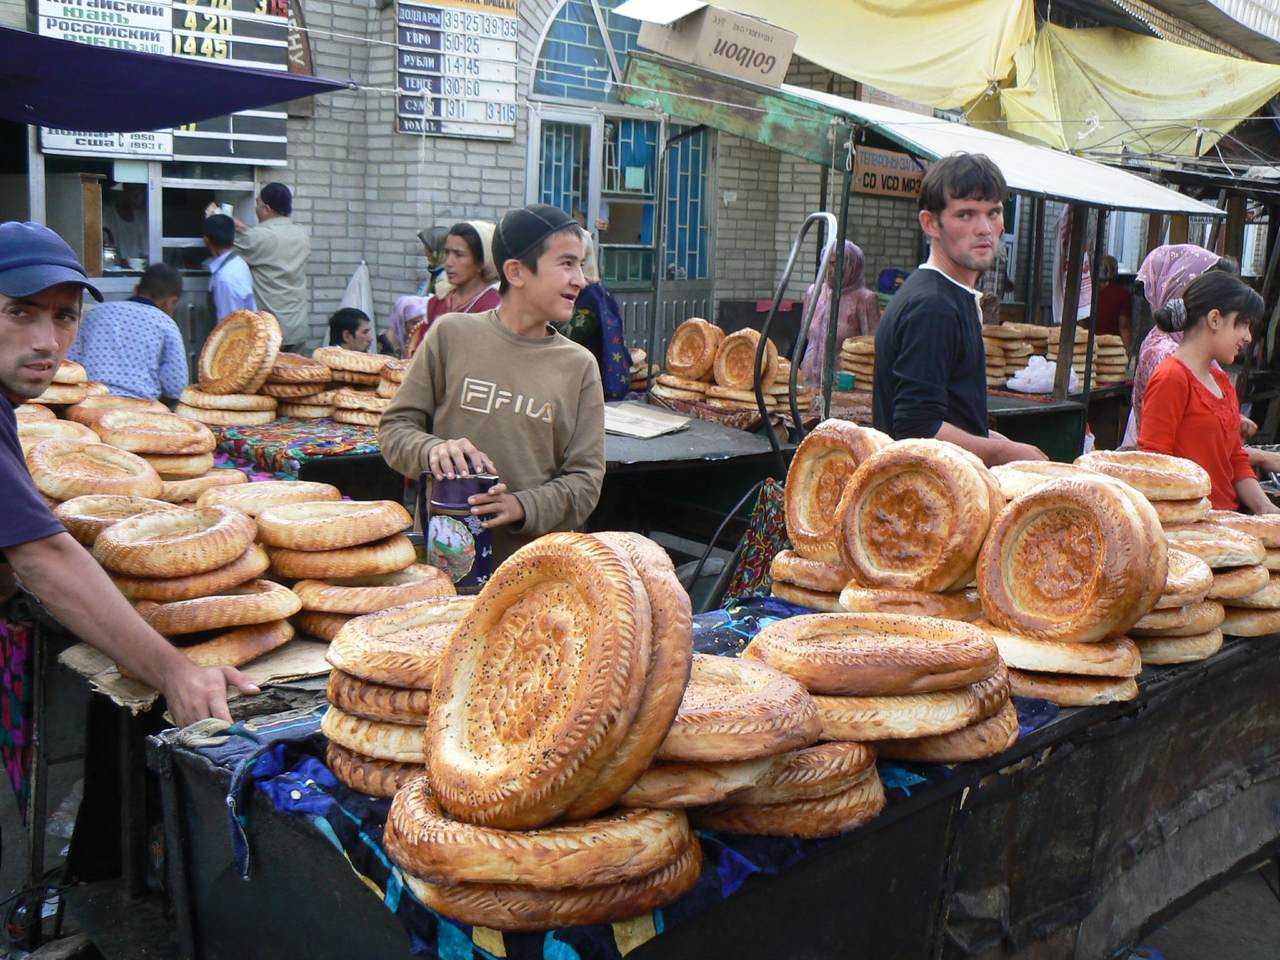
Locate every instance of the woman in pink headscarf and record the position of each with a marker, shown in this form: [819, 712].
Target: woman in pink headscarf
[859, 312]
[1165, 273]
[408, 312]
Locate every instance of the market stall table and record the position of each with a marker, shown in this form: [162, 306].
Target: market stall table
[323, 450]
[1084, 834]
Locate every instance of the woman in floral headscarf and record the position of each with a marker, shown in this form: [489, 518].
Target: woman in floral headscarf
[406, 315]
[1165, 274]
[859, 312]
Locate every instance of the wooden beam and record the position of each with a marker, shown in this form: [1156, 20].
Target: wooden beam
[1233, 230]
[1155, 232]
[1070, 300]
[1179, 227]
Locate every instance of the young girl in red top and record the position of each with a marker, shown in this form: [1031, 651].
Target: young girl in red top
[1191, 409]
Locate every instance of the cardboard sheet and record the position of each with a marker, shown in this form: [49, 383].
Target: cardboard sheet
[641, 421]
[296, 659]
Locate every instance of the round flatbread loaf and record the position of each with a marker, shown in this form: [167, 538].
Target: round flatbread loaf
[518, 907]
[683, 383]
[736, 360]
[1220, 547]
[258, 601]
[372, 701]
[397, 742]
[359, 595]
[958, 605]
[36, 411]
[823, 817]
[912, 715]
[736, 709]
[352, 361]
[401, 647]
[1166, 651]
[359, 418]
[1266, 527]
[248, 566]
[1266, 597]
[986, 738]
[305, 411]
[63, 469]
[294, 368]
[175, 543]
[290, 391]
[509, 746]
[239, 353]
[668, 674]
[1243, 622]
[915, 514]
[1105, 658]
[1182, 511]
[789, 567]
[188, 491]
[391, 555]
[671, 393]
[264, 494]
[147, 433]
[1022, 476]
[625, 845]
[1072, 690]
[70, 372]
[376, 778]
[869, 654]
[227, 418]
[1077, 559]
[32, 430]
[819, 472]
[322, 626]
[1188, 580]
[692, 351]
[231, 401]
[236, 647]
[1238, 583]
[62, 394]
[1156, 476]
[331, 524]
[86, 517]
[803, 597]
[179, 466]
[92, 407]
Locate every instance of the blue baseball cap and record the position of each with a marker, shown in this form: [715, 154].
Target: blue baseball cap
[34, 258]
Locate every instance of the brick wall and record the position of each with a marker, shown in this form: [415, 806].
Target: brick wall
[363, 190]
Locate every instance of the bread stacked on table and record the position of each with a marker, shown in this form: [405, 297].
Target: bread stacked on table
[858, 356]
[1009, 348]
[300, 387]
[178, 448]
[1178, 489]
[391, 377]
[328, 539]
[706, 366]
[812, 573]
[911, 522]
[1257, 613]
[1079, 352]
[235, 362]
[67, 468]
[69, 386]
[642, 372]
[1068, 568]
[555, 692]
[192, 575]
[918, 688]
[34, 429]
[1033, 336]
[384, 665]
[362, 394]
[1111, 360]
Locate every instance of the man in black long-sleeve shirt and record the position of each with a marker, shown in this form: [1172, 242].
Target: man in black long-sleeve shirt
[930, 364]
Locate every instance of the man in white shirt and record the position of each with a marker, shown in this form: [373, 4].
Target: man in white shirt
[230, 282]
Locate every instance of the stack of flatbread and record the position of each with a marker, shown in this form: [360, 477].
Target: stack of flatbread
[1111, 360]
[70, 385]
[858, 356]
[641, 370]
[920, 688]
[300, 386]
[705, 365]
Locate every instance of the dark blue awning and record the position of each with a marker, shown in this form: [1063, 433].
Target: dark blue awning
[76, 86]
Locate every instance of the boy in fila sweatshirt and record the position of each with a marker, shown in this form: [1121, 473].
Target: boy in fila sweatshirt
[501, 392]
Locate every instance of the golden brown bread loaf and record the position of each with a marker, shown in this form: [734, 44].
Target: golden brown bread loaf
[339, 358]
[1219, 547]
[391, 555]
[1266, 527]
[376, 778]
[912, 715]
[1104, 658]
[175, 543]
[735, 709]
[1187, 581]
[868, 654]
[516, 907]
[511, 747]
[26, 412]
[692, 351]
[1072, 690]
[154, 433]
[822, 817]
[1238, 583]
[358, 595]
[400, 647]
[63, 469]
[249, 565]
[397, 742]
[675, 786]
[188, 491]
[239, 646]
[817, 575]
[1022, 476]
[258, 601]
[86, 517]
[179, 466]
[1182, 511]
[736, 359]
[1244, 622]
[625, 845]
[1165, 651]
[226, 418]
[819, 472]
[1077, 560]
[809, 599]
[297, 369]
[1156, 476]
[667, 675]
[958, 605]
[239, 353]
[322, 626]
[264, 494]
[331, 525]
[32, 430]
[914, 516]
[373, 701]
[986, 738]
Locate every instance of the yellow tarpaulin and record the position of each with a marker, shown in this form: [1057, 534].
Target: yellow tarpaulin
[943, 53]
[1103, 90]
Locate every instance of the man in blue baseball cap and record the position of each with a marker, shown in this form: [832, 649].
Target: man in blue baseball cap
[42, 284]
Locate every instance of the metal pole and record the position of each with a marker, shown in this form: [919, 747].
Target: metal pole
[1070, 302]
[1099, 241]
[1035, 267]
[842, 232]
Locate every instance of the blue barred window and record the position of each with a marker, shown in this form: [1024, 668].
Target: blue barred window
[574, 61]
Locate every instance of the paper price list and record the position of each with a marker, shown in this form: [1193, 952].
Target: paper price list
[456, 69]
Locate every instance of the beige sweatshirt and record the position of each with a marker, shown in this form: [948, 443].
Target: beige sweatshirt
[533, 404]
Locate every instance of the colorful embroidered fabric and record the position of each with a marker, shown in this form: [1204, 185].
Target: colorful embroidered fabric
[283, 446]
[16, 643]
[766, 536]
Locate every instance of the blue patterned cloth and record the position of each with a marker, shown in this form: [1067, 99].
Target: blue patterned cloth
[133, 347]
[285, 763]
